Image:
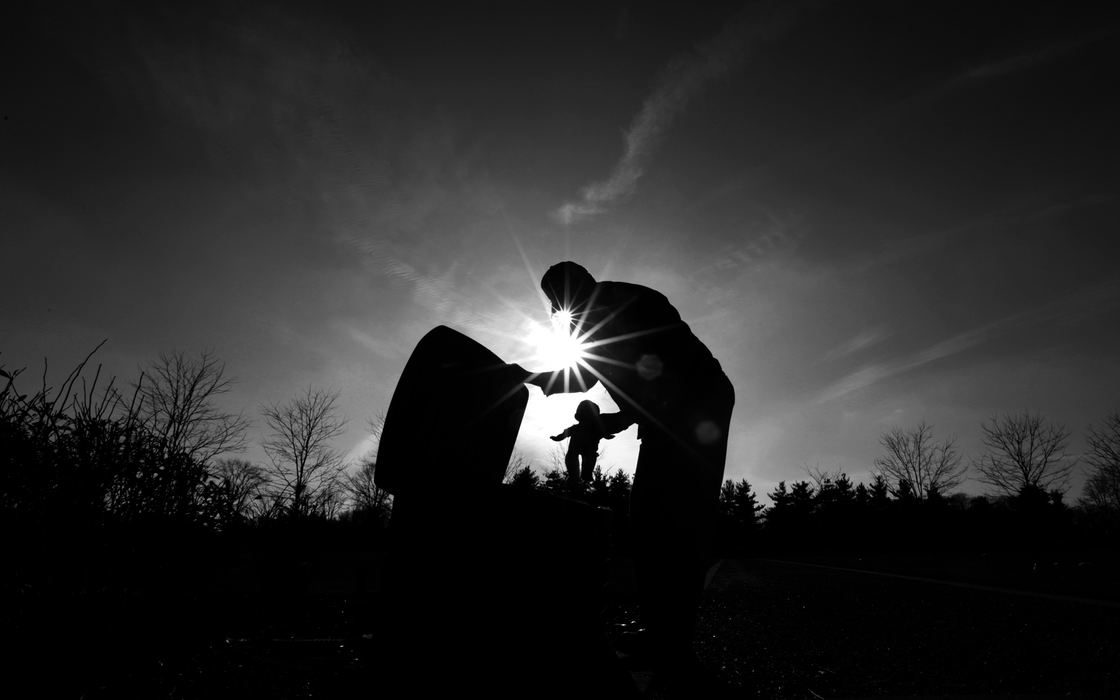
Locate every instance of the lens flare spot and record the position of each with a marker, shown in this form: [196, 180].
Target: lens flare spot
[649, 367]
[708, 433]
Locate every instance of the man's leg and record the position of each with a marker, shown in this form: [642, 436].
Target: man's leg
[669, 573]
[673, 508]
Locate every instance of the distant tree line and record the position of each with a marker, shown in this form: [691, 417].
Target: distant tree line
[90, 452]
[161, 452]
[908, 508]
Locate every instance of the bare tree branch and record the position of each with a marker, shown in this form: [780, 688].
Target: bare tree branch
[244, 483]
[517, 462]
[178, 405]
[360, 487]
[1102, 489]
[363, 493]
[821, 478]
[912, 456]
[1024, 450]
[306, 471]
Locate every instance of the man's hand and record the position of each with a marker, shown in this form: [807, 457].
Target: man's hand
[520, 373]
[556, 438]
[526, 377]
[542, 380]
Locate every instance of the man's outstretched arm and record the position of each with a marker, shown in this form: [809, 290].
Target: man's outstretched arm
[562, 381]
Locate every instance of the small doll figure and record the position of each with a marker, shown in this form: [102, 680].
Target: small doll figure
[584, 439]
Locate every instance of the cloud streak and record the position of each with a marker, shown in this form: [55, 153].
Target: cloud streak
[684, 78]
[1078, 307]
[861, 341]
[873, 374]
[1030, 59]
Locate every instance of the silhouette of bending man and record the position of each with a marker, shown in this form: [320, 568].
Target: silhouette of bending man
[665, 379]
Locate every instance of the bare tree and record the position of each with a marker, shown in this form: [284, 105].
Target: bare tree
[360, 486]
[244, 484]
[915, 458]
[363, 493]
[1024, 451]
[556, 457]
[517, 463]
[823, 479]
[306, 471]
[1102, 490]
[178, 406]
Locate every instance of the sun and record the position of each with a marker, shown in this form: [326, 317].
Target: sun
[555, 346]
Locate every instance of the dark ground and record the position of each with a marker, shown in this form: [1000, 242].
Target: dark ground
[768, 629]
[801, 632]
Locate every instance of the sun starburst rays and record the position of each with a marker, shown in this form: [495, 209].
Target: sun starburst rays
[556, 346]
[570, 349]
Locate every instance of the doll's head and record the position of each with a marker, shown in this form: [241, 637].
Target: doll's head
[587, 410]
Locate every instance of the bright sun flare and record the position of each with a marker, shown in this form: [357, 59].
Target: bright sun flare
[556, 347]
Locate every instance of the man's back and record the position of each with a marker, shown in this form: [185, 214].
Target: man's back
[642, 348]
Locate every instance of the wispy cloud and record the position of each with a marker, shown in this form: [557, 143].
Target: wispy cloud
[902, 246]
[684, 78]
[759, 243]
[1090, 301]
[1035, 57]
[1001, 67]
[451, 297]
[872, 374]
[860, 341]
[297, 101]
[438, 293]
[384, 346]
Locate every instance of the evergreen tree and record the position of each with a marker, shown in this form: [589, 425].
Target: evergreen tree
[525, 478]
[739, 505]
[618, 487]
[880, 491]
[801, 499]
[598, 491]
[556, 482]
[779, 497]
[778, 513]
[904, 492]
[844, 492]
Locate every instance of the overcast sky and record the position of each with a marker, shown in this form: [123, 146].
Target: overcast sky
[874, 214]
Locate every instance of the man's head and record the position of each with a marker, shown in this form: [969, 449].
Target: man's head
[568, 286]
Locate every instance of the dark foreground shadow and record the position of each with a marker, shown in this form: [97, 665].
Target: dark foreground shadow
[489, 590]
[501, 595]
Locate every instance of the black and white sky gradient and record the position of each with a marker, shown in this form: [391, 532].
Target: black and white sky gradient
[873, 213]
